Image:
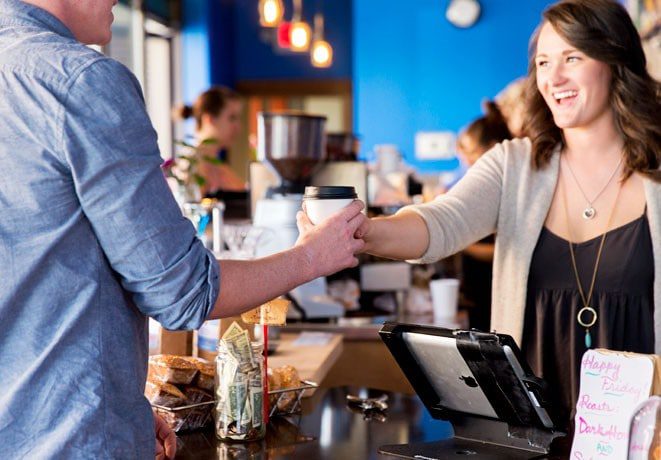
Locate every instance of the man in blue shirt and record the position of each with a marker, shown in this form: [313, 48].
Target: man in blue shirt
[92, 242]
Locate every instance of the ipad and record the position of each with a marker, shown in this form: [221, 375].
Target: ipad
[470, 372]
[448, 373]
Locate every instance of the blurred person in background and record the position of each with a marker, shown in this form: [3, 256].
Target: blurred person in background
[217, 113]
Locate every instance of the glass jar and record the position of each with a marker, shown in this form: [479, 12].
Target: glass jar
[239, 412]
[645, 432]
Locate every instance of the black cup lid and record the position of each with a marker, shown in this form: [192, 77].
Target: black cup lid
[329, 192]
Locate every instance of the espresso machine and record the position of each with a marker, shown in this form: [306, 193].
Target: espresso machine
[292, 146]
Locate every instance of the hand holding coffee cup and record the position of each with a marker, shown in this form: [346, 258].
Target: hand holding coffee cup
[327, 228]
[322, 202]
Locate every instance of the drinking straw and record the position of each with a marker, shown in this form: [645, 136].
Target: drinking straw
[265, 398]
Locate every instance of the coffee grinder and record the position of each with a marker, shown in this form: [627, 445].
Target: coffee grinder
[293, 145]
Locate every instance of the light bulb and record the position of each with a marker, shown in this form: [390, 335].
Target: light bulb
[322, 54]
[270, 12]
[299, 36]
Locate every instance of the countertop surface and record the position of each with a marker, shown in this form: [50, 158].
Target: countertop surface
[312, 355]
[328, 429]
[366, 327]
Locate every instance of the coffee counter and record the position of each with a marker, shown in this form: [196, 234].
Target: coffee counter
[314, 360]
[328, 430]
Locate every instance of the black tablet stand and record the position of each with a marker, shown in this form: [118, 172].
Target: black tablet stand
[517, 434]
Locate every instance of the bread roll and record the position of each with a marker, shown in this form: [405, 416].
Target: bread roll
[171, 369]
[273, 313]
[164, 394]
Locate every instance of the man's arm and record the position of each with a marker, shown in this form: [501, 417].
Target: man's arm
[109, 146]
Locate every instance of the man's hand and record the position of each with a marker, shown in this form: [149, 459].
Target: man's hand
[166, 440]
[332, 245]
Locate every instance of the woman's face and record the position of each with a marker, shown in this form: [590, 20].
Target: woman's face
[576, 88]
[227, 125]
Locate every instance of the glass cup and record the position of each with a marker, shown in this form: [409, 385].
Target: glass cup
[207, 218]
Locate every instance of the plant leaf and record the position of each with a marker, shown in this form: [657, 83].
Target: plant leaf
[212, 160]
[199, 180]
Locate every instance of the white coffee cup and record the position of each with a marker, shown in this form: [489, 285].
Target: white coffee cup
[321, 202]
[445, 298]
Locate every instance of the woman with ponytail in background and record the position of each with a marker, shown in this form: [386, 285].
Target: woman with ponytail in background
[217, 113]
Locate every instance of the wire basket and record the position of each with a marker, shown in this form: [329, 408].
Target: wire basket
[190, 417]
[186, 418]
[288, 400]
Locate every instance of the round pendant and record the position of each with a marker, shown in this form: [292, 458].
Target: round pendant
[589, 213]
[590, 322]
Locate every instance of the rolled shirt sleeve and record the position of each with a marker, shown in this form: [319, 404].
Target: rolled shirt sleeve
[110, 146]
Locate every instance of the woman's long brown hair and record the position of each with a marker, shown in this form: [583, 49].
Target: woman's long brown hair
[603, 30]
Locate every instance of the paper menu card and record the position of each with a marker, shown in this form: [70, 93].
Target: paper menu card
[612, 385]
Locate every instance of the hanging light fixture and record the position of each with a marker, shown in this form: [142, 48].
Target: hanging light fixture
[322, 53]
[299, 33]
[283, 35]
[270, 12]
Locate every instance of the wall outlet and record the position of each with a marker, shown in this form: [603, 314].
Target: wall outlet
[435, 145]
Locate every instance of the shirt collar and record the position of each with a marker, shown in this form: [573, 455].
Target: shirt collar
[13, 12]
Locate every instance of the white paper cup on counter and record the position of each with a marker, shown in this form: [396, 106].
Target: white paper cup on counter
[321, 202]
[445, 298]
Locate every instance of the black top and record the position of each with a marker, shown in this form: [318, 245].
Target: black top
[553, 341]
[476, 288]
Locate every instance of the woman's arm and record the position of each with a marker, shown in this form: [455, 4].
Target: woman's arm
[402, 236]
[429, 232]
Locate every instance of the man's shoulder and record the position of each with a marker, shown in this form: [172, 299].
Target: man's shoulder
[51, 58]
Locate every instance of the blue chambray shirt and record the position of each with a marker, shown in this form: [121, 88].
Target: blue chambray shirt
[91, 243]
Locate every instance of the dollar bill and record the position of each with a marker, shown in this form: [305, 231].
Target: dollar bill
[232, 331]
[256, 393]
[238, 396]
[240, 347]
[245, 423]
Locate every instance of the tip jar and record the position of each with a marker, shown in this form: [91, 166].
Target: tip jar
[239, 412]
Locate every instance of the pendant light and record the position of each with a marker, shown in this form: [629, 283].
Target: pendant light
[270, 13]
[283, 35]
[299, 32]
[322, 52]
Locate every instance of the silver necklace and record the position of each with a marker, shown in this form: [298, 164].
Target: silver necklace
[589, 212]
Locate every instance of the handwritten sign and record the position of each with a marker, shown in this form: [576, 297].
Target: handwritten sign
[612, 386]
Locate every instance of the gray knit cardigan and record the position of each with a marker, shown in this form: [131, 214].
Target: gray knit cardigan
[502, 193]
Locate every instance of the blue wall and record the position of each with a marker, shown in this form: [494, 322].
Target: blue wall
[195, 43]
[413, 71]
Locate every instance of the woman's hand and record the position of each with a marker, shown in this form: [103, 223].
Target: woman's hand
[332, 245]
[166, 440]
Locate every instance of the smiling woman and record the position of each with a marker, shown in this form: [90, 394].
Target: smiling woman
[592, 66]
[576, 207]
